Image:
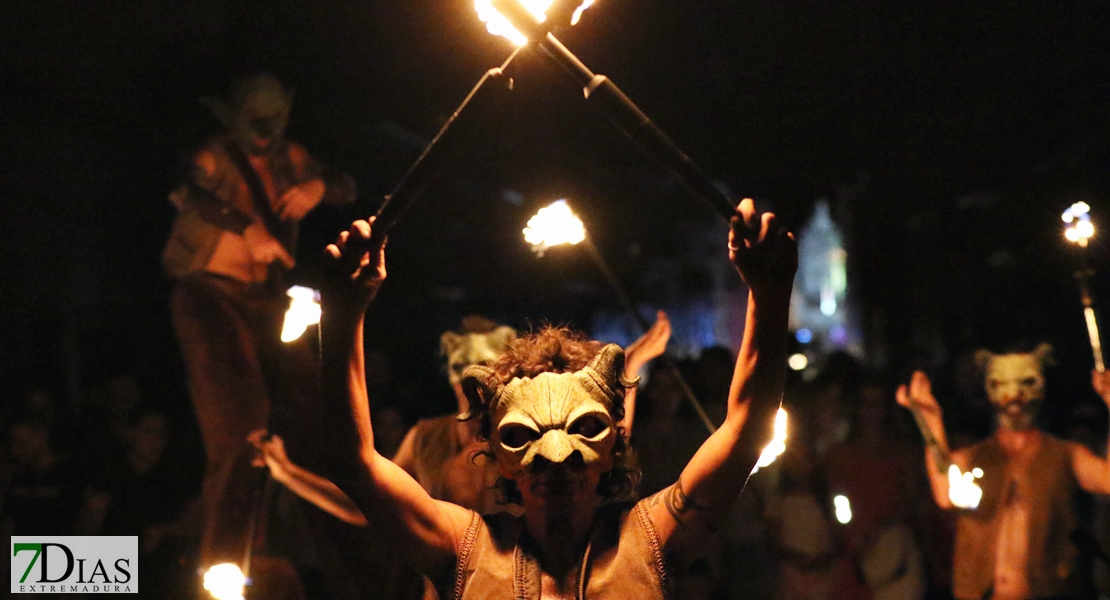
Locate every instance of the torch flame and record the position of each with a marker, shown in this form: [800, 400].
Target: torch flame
[962, 489]
[843, 509]
[497, 24]
[1079, 226]
[225, 581]
[553, 225]
[303, 311]
[777, 445]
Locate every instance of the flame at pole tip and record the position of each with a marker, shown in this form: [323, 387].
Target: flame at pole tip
[225, 581]
[962, 489]
[554, 225]
[1079, 226]
[497, 24]
[843, 509]
[304, 310]
[778, 442]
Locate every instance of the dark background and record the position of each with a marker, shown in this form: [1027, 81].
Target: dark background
[948, 136]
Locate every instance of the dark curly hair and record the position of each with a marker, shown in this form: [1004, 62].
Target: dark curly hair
[555, 350]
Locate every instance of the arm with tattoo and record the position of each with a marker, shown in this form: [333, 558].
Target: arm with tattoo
[683, 510]
[686, 513]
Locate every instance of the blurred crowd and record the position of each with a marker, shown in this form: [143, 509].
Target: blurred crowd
[844, 513]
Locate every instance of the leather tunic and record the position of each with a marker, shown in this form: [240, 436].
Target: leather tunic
[623, 559]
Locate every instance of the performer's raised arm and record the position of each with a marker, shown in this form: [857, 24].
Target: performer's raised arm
[918, 396]
[426, 531]
[302, 482]
[1093, 472]
[645, 349]
[766, 256]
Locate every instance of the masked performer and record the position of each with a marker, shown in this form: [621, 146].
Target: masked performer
[444, 454]
[549, 409]
[1016, 544]
[234, 236]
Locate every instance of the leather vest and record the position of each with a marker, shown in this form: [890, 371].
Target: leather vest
[623, 559]
[1051, 558]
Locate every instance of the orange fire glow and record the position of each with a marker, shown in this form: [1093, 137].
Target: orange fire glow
[497, 24]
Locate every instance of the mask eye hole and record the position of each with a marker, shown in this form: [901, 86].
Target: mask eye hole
[1029, 382]
[587, 426]
[516, 436]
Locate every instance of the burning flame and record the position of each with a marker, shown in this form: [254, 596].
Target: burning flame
[225, 581]
[1080, 228]
[553, 225]
[497, 24]
[778, 443]
[962, 489]
[303, 311]
[843, 509]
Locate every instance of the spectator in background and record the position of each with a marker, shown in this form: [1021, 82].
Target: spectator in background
[667, 433]
[110, 408]
[714, 376]
[145, 493]
[802, 531]
[385, 397]
[43, 494]
[879, 473]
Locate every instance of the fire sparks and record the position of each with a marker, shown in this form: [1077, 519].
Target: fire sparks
[1079, 226]
[962, 489]
[225, 581]
[497, 24]
[304, 310]
[778, 443]
[554, 225]
[578, 12]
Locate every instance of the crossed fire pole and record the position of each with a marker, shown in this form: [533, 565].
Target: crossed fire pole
[529, 23]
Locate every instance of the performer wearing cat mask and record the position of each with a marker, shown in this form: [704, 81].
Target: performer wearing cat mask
[1016, 544]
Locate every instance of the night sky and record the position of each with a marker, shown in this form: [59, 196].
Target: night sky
[948, 136]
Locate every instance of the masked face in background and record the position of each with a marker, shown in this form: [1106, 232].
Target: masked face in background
[553, 434]
[1015, 385]
[257, 113]
[468, 349]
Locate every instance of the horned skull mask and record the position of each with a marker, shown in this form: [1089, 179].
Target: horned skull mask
[1015, 384]
[552, 415]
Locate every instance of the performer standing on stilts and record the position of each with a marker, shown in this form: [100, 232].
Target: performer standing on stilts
[234, 237]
